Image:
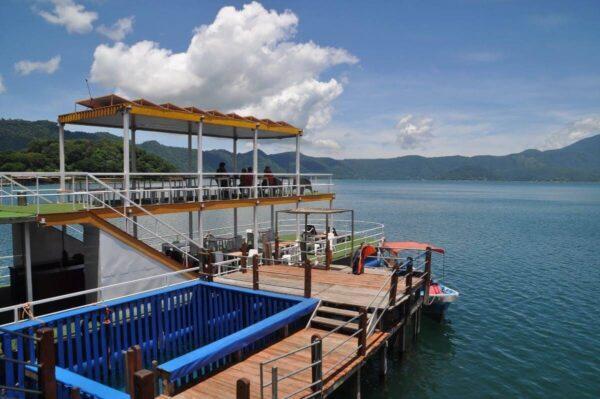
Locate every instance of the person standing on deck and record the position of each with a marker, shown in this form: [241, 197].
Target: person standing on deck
[223, 180]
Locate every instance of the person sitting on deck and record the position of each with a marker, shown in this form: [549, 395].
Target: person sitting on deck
[270, 181]
[223, 180]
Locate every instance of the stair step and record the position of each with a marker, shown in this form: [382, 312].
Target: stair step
[337, 311]
[333, 323]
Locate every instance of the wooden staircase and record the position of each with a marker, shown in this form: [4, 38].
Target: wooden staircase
[330, 316]
[137, 244]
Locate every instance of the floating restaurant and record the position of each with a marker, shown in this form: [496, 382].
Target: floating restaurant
[105, 296]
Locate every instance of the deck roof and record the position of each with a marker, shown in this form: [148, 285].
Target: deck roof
[106, 111]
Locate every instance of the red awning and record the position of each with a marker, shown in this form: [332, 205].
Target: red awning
[406, 245]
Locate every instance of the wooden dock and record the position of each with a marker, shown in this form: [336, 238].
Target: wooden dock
[337, 285]
[223, 384]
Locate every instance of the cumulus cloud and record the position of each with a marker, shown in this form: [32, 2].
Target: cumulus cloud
[2, 87]
[577, 130]
[74, 17]
[413, 132]
[326, 144]
[244, 61]
[118, 30]
[26, 67]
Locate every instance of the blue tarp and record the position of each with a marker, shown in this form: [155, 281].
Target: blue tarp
[195, 360]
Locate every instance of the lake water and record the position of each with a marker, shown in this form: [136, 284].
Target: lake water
[524, 257]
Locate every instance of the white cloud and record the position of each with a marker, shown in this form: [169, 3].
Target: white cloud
[74, 17]
[118, 30]
[2, 87]
[412, 132]
[577, 130]
[482, 56]
[326, 144]
[244, 61]
[26, 67]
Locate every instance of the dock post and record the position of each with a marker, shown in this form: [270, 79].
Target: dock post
[383, 361]
[357, 377]
[277, 248]
[394, 287]
[133, 363]
[274, 382]
[143, 382]
[208, 269]
[255, 272]
[75, 393]
[46, 356]
[242, 389]
[307, 278]
[244, 260]
[362, 335]
[316, 359]
[427, 275]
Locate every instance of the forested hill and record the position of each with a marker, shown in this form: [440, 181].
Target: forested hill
[578, 162]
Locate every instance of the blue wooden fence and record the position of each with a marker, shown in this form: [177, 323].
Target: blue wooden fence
[165, 323]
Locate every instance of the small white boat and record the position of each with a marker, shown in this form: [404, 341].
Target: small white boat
[440, 298]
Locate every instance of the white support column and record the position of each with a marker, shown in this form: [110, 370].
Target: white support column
[235, 171]
[126, 152]
[255, 169]
[297, 185]
[27, 256]
[189, 157]
[133, 170]
[255, 161]
[133, 153]
[199, 167]
[61, 154]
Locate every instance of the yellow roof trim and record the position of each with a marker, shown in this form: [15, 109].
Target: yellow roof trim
[75, 117]
[164, 113]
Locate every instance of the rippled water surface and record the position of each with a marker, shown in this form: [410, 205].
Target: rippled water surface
[525, 258]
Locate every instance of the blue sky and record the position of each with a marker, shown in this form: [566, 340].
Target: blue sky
[366, 79]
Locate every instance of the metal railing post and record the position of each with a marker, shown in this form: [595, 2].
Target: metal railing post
[274, 382]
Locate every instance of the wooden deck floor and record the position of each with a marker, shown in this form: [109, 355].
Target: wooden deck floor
[223, 384]
[335, 285]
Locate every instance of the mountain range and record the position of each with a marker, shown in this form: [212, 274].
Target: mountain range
[579, 161]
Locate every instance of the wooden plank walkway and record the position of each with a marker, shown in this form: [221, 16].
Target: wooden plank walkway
[337, 285]
[223, 384]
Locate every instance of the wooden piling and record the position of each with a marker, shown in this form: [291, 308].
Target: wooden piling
[427, 275]
[47, 360]
[277, 248]
[74, 393]
[244, 260]
[242, 389]
[362, 335]
[143, 382]
[383, 361]
[316, 358]
[255, 283]
[394, 287]
[307, 278]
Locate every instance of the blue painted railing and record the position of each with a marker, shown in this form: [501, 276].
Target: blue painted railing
[165, 323]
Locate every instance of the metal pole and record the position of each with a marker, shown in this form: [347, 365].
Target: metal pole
[126, 152]
[134, 169]
[186, 193]
[200, 184]
[297, 184]
[255, 161]
[27, 250]
[235, 211]
[61, 154]
[255, 170]
[352, 238]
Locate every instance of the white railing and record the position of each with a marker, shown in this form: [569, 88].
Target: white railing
[27, 308]
[42, 188]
